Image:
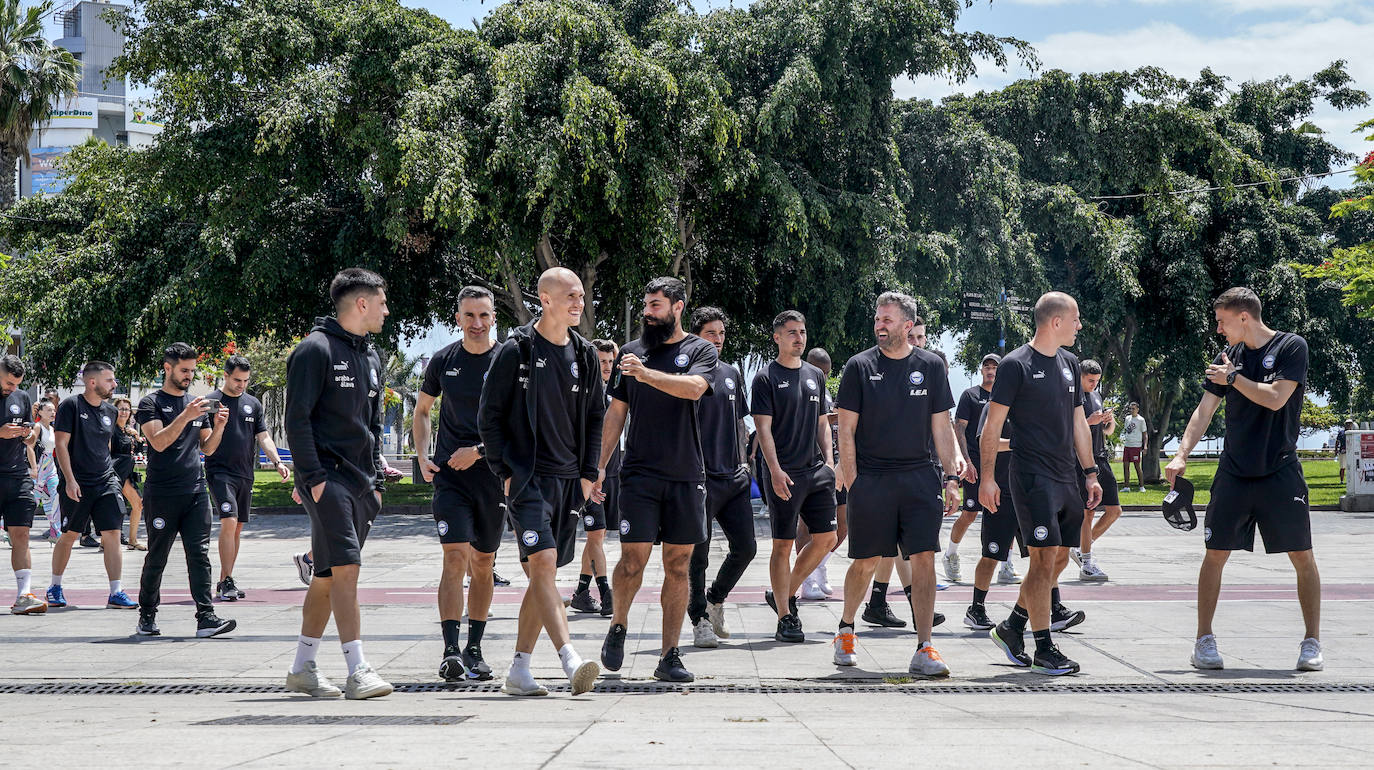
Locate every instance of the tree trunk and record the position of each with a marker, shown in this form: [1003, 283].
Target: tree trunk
[10, 186]
[513, 294]
[1158, 431]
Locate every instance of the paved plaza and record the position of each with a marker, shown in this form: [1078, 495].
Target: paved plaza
[175, 700]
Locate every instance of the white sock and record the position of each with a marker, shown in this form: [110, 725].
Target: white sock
[114, 587]
[307, 647]
[521, 662]
[353, 655]
[23, 578]
[56, 580]
[519, 673]
[1087, 557]
[570, 659]
[952, 548]
[825, 559]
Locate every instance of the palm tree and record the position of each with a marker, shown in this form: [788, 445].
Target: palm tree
[399, 373]
[34, 74]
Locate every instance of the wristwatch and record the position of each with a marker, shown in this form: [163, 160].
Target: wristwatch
[1090, 471]
[1231, 378]
[951, 477]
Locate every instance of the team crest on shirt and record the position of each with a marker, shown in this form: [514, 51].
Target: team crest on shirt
[442, 527]
[530, 537]
[1269, 361]
[573, 367]
[160, 522]
[730, 383]
[373, 374]
[247, 408]
[681, 359]
[916, 378]
[810, 383]
[625, 527]
[105, 420]
[1041, 533]
[1068, 374]
[14, 409]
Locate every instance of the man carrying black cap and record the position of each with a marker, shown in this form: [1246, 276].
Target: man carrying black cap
[1259, 482]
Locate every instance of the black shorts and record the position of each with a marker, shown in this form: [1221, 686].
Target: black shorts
[970, 496]
[812, 500]
[1049, 513]
[1110, 496]
[895, 510]
[544, 515]
[608, 512]
[654, 510]
[17, 503]
[1276, 504]
[232, 496]
[101, 504]
[469, 507]
[339, 524]
[1000, 529]
[841, 498]
[594, 514]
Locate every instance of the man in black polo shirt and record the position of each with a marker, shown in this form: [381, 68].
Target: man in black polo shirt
[175, 500]
[788, 404]
[894, 400]
[468, 505]
[967, 417]
[17, 502]
[333, 423]
[659, 379]
[1101, 422]
[1038, 389]
[88, 488]
[1259, 483]
[721, 417]
[540, 421]
[229, 466]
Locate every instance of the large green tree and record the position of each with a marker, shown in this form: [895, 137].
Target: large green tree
[34, 75]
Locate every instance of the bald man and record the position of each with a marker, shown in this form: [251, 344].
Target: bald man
[540, 422]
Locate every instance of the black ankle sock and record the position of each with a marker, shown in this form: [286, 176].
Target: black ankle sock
[907, 590]
[879, 595]
[846, 627]
[980, 596]
[453, 630]
[1043, 642]
[603, 585]
[475, 631]
[1017, 620]
[584, 581]
[1054, 597]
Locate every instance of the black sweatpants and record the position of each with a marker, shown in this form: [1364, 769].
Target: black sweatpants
[167, 516]
[727, 502]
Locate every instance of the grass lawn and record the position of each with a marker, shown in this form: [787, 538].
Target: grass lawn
[270, 490]
[1323, 481]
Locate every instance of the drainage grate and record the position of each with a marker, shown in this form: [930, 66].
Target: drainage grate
[788, 688]
[359, 720]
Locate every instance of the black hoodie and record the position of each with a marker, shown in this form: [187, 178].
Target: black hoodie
[507, 417]
[334, 408]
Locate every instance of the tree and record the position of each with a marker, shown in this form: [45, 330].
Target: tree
[34, 75]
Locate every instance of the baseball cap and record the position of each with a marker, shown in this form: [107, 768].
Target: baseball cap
[993, 357]
[1178, 505]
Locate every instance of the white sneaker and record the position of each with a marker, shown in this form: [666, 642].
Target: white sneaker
[1205, 653]
[703, 636]
[844, 649]
[305, 570]
[716, 614]
[927, 662]
[952, 567]
[1310, 655]
[1092, 573]
[1006, 574]
[1076, 555]
[366, 683]
[823, 579]
[584, 677]
[522, 683]
[811, 590]
[311, 682]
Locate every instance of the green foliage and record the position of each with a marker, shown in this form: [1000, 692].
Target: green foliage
[1352, 267]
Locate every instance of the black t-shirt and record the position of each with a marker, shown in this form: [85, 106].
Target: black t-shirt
[176, 469]
[457, 375]
[613, 464]
[555, 378]
[1002, 470]
[795, 399]
[970, 408]
[664, 438]
[829, 405]
[719, 414]
[1260, 440]
[14, 456]
[1092, 404]
[1041, 394]
[238, 448]
[895, 399]
[91, 428]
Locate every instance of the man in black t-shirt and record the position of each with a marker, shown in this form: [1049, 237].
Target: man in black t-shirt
[540, 424]
[229, 467]
[658, 380]
[788, 405]
[17, 501]
[1100, 422]
[87, 487]
[468, 503]
[1038, 389]
[894, 400]
[175, 501]
[1259, 483]
[967, 416]
[721, 415]
[597, 516]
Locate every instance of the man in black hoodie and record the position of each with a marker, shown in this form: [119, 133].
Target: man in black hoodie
[540, 422]
[334, 427]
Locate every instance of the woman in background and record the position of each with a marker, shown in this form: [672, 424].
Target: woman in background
[123, 443]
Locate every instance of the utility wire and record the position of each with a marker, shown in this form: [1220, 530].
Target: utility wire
[1218, 187]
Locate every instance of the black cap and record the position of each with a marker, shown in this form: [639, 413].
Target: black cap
[1178, 505]
[993, 357]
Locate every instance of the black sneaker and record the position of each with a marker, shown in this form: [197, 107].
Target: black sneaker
[670, 668]
[236, 588]
[212, 625]
[772, 602]
[789, 630]
[1052, 662]
[225, 590]
[882, 616]
[1064, 618]
[89, 542]
[607, 605]
[1012, 643]
[496, 579]
[123, 539]
[977, 618]
[452, 668]
[937, 619]
[147, 626]
[613, 649]
[472, 661]
[582, 601]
